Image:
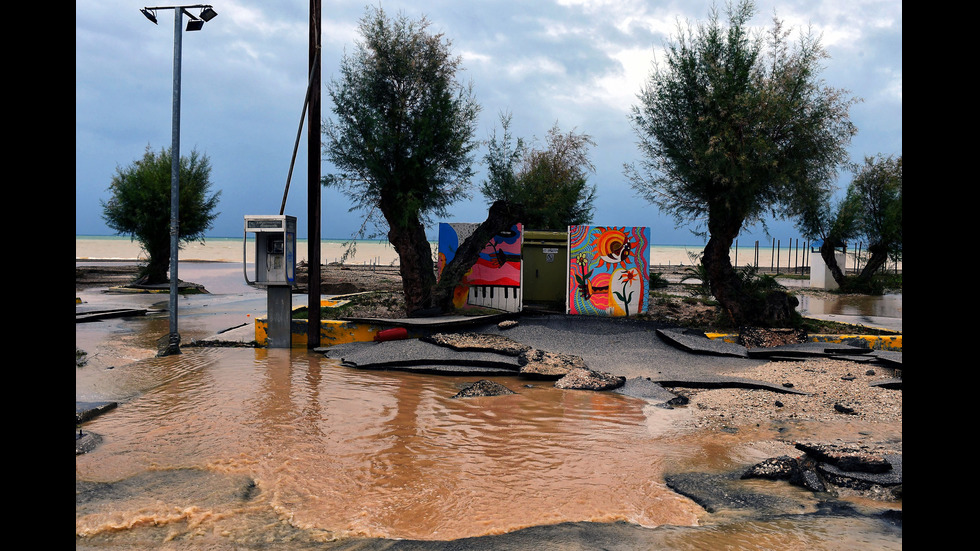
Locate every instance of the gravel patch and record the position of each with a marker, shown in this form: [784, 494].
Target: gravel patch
[835, 390]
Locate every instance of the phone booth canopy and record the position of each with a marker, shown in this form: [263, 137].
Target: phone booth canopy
[275, 249]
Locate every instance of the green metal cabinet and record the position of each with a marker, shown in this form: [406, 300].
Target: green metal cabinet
[545, 269]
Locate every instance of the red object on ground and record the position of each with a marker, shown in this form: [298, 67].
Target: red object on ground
[395, 334]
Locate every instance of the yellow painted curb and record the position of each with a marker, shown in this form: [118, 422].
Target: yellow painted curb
[724, 337]
[875, 342]
[131, 290]
[331, 331]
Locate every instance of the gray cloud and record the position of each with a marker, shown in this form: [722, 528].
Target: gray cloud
[579, 63]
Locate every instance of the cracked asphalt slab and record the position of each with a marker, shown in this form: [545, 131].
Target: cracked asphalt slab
[645, 353]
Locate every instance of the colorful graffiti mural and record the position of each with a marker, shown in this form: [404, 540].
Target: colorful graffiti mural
[608, 271]
[495, 280]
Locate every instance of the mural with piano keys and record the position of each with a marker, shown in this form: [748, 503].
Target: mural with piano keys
[495, 280]
[608, 272]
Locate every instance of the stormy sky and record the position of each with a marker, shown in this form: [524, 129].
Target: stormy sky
[577, 63]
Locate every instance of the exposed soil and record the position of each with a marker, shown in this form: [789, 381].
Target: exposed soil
[109, 275]
[339, 279]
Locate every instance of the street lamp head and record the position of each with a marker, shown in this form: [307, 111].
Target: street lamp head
[151, 15]
[197, 23]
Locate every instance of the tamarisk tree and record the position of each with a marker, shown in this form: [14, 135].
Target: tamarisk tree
[731, 128]
[402, 142]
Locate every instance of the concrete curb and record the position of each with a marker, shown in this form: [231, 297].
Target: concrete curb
[873, 342]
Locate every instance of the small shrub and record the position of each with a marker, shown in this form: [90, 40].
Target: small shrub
[658, 281]
[755, 283]
[878, 284]
[698, 271]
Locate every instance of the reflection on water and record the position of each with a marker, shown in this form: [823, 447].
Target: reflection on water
[238, 445]
[887, 306]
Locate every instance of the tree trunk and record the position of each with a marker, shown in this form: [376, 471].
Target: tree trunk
[155, 271]
[416, 265]
[878, 255]
[423, 296]
[774, 308]
[501, 216]
[724, 283]
[830, 259]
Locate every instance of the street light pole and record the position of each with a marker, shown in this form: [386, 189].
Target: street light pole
[173, 344]
[195, 24]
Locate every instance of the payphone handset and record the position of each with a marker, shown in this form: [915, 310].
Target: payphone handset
[275, 249]
[274, 254]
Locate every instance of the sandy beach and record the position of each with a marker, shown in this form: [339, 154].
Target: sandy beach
[227, 249]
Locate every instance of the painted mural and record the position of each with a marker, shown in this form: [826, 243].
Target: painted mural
[495, 280]
[608, 270]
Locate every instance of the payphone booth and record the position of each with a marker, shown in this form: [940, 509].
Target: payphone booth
[275, 269]
[275, 249]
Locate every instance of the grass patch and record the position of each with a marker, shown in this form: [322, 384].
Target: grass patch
[369, 304]
[658, 281]
[878, 284]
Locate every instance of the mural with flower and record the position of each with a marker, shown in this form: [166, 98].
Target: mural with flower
[608, 270]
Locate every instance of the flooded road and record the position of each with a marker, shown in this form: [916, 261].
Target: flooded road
[384, 455]
[240, 448]
[230, 447]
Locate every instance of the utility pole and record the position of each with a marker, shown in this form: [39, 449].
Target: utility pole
[313, 175]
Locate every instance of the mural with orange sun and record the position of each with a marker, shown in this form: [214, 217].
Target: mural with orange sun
[608, 271]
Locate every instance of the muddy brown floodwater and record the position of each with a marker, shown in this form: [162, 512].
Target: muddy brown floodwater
[232, 447]
[384, 454]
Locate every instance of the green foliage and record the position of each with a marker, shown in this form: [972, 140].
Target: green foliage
[876, 194]
[140, 205]
[889, 281]
[734, 125]
[402, 134]
[697, 270]
[820, 217]
[758, 288]
[876, 284]
[758, 283]
[80, 357]
[733, 128]
[658, 281]
[551, 183]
